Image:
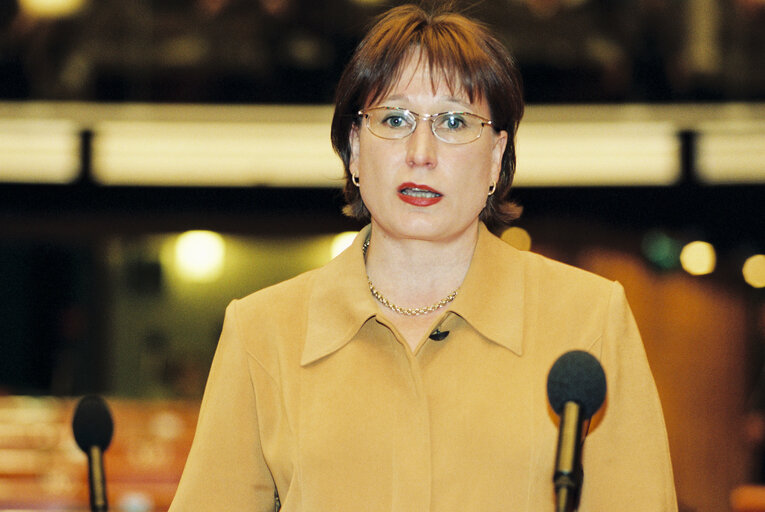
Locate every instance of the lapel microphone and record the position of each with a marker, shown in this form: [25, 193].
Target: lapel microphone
[438, 335]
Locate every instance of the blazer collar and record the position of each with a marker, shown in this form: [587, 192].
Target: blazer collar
[490, 298]
[340, 302]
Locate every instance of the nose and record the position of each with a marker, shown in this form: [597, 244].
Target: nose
[421, 146]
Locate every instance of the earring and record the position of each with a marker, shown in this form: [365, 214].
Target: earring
[355, 179]
[492, 187]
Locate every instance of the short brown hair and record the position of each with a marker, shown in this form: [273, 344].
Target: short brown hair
[460, 50]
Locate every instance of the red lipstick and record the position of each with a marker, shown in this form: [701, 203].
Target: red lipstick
[418, 195]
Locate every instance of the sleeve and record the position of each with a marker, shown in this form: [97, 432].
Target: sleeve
[225, 469]
[626, 459]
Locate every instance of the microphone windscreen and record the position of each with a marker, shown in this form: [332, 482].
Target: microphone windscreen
[576, 377]
[92, 423]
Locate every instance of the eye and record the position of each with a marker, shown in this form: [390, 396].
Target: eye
[453, 122]
[394, 120]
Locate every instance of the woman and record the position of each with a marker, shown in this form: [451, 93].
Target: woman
[409, 373]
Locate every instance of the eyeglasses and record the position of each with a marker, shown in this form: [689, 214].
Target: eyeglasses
[399, 123]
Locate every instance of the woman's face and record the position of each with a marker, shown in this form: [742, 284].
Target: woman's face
[420, 187]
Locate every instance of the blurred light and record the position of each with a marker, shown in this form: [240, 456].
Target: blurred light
[661, 250]
[342, 241]
[59, 482]
[732, 153]
[518, 238]
[182, 153]
[39, 151]
[20, 461]
[178, 145]
[136, 501]
[698, 258]
[51, 8]
[754, 271]
[602, 153]
[25, 409]
[166, 425]
[199, 255]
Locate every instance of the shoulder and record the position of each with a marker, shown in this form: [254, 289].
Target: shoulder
[550, 273]
[566, 291]
[280, 297]
[270, 324]
[565, 307]
[275, 323]
[544, 273]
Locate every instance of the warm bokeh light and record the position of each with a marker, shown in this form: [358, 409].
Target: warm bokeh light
[607, 152]
[342, 241]
[518, 238]
[754, 271]
[39, 150]
[250, 151]
[698, 258]
[51, 8]
[199, 255]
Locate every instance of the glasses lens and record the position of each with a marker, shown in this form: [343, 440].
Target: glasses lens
[457, 127]
[390, 123]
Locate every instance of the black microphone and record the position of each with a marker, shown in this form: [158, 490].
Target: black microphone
[93, 428]
[438, 335]
[576, 388]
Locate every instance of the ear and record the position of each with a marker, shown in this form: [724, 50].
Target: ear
[353, 161]
[497, 152]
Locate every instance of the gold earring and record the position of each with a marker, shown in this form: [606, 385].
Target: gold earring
[355, 179]
[492, 187]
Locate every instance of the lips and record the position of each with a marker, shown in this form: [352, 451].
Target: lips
[418, 195]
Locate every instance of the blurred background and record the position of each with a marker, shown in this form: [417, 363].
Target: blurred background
[159, 158]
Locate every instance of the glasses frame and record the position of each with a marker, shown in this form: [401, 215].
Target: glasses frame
[364, 114]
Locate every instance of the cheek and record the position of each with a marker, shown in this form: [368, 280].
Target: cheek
[477, 167]
[479, 191]
[379, 160]
[367, 158]
[473, 188]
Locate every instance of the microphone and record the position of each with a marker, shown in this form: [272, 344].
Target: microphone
[438, 335]
[576, 388]
[93, 428]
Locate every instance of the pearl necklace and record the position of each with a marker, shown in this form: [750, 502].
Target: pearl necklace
[401, 310]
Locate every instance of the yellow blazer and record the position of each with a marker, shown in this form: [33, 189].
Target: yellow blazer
[314, 393]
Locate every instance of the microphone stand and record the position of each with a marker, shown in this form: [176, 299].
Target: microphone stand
[98, 501]
[568, 466]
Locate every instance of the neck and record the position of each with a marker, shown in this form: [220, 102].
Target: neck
[413, 272]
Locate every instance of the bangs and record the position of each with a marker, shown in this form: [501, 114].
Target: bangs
[452, 53]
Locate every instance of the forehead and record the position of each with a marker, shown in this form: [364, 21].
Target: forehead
[419, 75]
